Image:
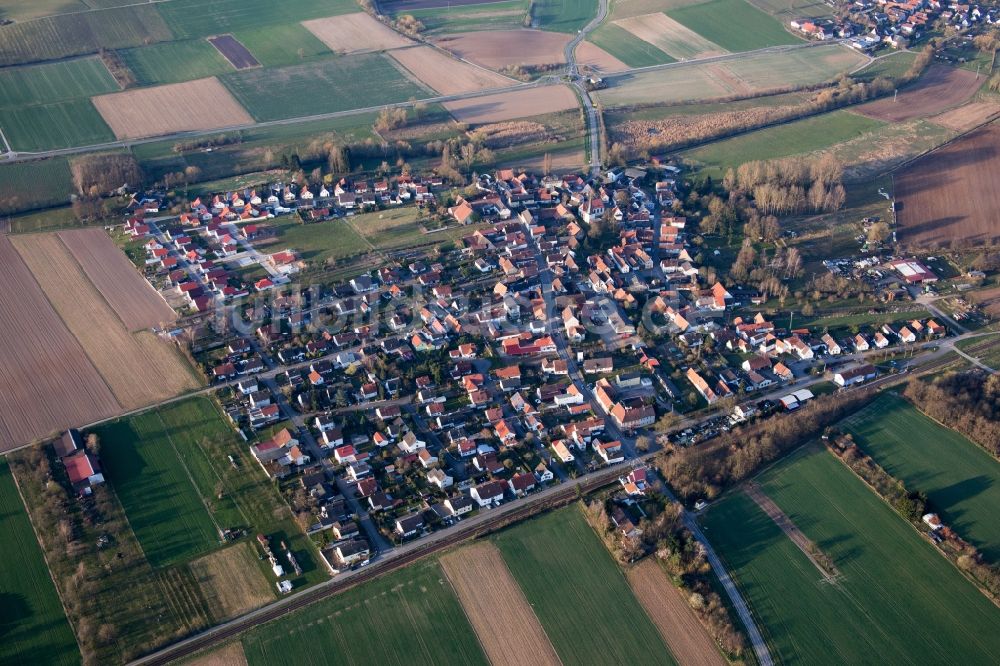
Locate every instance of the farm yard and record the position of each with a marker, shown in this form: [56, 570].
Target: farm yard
[951, 197]
[446, 75]
[176, 107]
[43, 367]
[894, 584]
[355, 33]
[743, 28]
[939, 88]
[492, 600]
[580, 596]
[418, 616]
[35, 629]
[516, 104]
[962, 481]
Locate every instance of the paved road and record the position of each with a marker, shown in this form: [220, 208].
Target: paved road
[572, 70]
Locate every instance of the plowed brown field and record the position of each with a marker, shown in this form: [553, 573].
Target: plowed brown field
[139, 368]
[46, 379]
[355, 33]
[126, 291]
[514, 104]
[941, 87]
[968, 115]
[951, 197]
[504, 622]
[674, 619]
[445, 74]
[203, 104]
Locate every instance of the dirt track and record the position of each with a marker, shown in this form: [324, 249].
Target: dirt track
[939, 88]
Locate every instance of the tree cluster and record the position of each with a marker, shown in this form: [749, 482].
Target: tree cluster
[790, 185]
[102, 173]
[911, 505]
[968, 402]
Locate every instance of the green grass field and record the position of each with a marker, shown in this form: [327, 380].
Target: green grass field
[32, 623]
[890, 66]
[734, 25]
[197, 18]
[899, 601]
[801, 136]
[578, 592]
[37, 184]
[317, 242]
[407, 617]
[56, 125]
[391, 228]
[506, 15]
[628, 48]
[791, 9]
[280, 45]
[341, 84]
[54, 82]
[962, 481]
[173, 62]
[19, 10]
[74, 34]
[563, 15]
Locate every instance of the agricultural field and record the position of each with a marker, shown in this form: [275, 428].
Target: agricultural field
[35, 629]
[317, 243]
[447, 75]
[355, 33]
[234, 51]
[951, 196]
[968, 116]
[418, 619]
[54, 82]
[175, 107]
[174, 62]
[580, 596]
[567, 16]
[517, 104]
[322, 87]
[126, 361]
[491, 599]
[444, 17]
[893, 583]
[939, 88]
[18, 10]
[962, 481]
[56, 125]
[734, 25]
[786, 10]
[134, 301]
[42, 366]
[621, 44]
[890, 66]
[229, 655]
[196, 18]
[669, 36]
[281, 45]
[36, 184]
[497, 49]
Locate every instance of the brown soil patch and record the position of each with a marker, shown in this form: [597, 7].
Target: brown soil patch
[355, 33]
[951, 197]
[968, 115]
[941, 87]
[988, 300]
[234, 51]
[231, 655]
[203, 104]
[445, 74]
[504, 622]
[139, 368]
[592, 55]
[231, 582]
[515, 104]
[132, 298]
[665, 605]
[670, 36]
[679, 130]
[46, 379]
[497, 49]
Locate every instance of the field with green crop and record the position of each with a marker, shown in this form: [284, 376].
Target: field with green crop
[19, 10]
[280, 45]
[32, 622]
[628, 48]
[734, 25]
[794, 138]
[562, 15]
[962, 481]
[28, 185]
[578, 592]
[407, 617]
[56, 125]
[173, 62]
[197, 18]
[786, 10]
[66, 35]
[898, 601]
[54, 82]
[504, 15]
[341, 84]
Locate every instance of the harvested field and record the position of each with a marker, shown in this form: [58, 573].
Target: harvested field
[514, 104]
[940, 88]
[497, 49]
[492, 600]
[231, 581]
[231, 655]
[504, 135]
[234, 51]
[951, 197]
[666, 607]
[447, 75]
[562, 161]
[135, 302]
[194, 105]
[355, 33]
[45, 376]
[125, 361]
[968, 116]
[670, 36]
